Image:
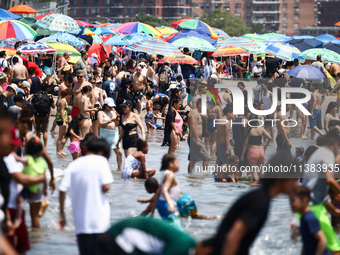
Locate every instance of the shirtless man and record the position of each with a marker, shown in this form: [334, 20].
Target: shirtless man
[197, 148]
[62, 61]
[282, 138]
[139, 83]
[334, 69]
[78, 86]
[223, 143]
[18, 71]
[315, 109]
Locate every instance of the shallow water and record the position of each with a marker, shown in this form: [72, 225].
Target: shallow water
[211, 199]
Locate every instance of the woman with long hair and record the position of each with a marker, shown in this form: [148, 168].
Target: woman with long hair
[173, 126]
[332, 119]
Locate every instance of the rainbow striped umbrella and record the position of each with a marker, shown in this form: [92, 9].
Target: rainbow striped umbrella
[156, 47]
[59, 23]
[230, 51]
[167, 30]
[195, 24]
[35, 47]
[16, 29]
[137, 27]
[9, 42]
[284, 51]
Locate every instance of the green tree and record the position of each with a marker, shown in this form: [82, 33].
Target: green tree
[150, 19]
[222, 19]
[257, 28]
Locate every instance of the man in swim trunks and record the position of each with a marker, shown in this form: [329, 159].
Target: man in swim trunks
[139, 83]
[282, 138]
[315, 109]
[78, 86]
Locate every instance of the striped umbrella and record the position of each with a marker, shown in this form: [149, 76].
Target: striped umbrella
[117, 40]
[220, 33]
[173, 60]
[255, 37]
[259, 49]
[6, 15]
[326, 55]
[190, 33]
[156, 47]
[16, 29]
[193, 43]
[59, 23]
[230, 51]
[137, 27]
[9, 42]
[134, 38]
[166, 30]
[284, 51]
[195, 24]
[236, 42]
[36, 47]
[9, 50]
[62, 48]
[63, 38]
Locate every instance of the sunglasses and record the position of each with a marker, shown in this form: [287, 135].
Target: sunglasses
[80, 76]
[99, 83]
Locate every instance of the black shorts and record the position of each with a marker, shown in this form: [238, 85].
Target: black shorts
[59, 123]
[129, 141]
[138, 95]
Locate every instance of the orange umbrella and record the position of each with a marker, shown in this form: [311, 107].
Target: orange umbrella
[173, 60]
[22, 9]
[9, 50]
[337, 24]
[230, 51]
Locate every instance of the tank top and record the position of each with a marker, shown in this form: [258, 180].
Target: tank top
[36, 85]
[267, 102]
[178, 123]
[174, 192]
[58, 115]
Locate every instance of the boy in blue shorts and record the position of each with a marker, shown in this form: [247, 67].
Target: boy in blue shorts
[185, 204]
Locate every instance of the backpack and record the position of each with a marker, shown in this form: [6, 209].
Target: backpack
[42, 104]
[164, 77]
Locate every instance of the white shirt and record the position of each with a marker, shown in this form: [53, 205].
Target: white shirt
[14, 188]
[256, 70]
[3, 63]
[20, 60]
[83, 180]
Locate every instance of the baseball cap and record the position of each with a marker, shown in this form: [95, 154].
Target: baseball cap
[191, 76]
[15, 137]
[26, 84]
[259, 63]
[19, 98]
[2, 75]
[110, 102]
[260, 80]
[14, 87]
[126, 103]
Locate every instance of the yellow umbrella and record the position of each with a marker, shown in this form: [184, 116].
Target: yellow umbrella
[331, 79]
[88, 32]
[73, 60]
[62, 48]
[167, 30]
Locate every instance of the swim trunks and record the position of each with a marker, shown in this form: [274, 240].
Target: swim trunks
[111, 136]
[186, 206]
[75, 147]
[317, 118]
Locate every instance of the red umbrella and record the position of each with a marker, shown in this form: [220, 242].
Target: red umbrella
[41, 16]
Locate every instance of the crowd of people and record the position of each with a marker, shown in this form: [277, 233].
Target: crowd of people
[116, 105]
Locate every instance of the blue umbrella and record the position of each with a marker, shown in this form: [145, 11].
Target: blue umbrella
[326, 38]
[276, 39]
[104, 31]
[303, 43]
[137, 37]
[333, 45]
[191, 33]
[306, 72]
[65, 38]
[117, 40]
[284, 51]
[6, 15]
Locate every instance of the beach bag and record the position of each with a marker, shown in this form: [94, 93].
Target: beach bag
[164, 77]
[42, 104]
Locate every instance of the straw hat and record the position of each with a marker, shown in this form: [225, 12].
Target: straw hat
[270, 55]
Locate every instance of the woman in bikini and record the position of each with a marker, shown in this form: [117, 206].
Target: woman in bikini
[85, 108]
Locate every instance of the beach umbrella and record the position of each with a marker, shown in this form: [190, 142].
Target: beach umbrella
[134, 38]
[337, 24]
[103, 31]
[236, 42]
[6, 15]
[166, 30]
[284, 51]
[41, 16]
[61, 48]
[63, 38]
[137, 27]
[326, 55]
[104, 24]
[156, 47]
[29, 21]
[270, 35]
[9, 42]
[193, 43]
[16, 29]
[84, 24]
[22, 9]
[305, 43]
[96, 39]
[258, 49]
[333, 45]
[36, 47]
[117, 41]
[220, 33]
[85, 31]
[276, 39]
[254, 37]
[306, 72]
[195, 24]
[59, 23]
[326, 38]
[9, 50]
[230, 51]
[190, 33]
[173, 60]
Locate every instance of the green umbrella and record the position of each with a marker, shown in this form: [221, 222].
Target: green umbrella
[258, 49]
[193, 43]
[270, 35]
[255, 37]
[326, 55]
[41, 31]
[29, 21]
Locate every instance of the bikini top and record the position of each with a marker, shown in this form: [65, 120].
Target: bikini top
[255, 140]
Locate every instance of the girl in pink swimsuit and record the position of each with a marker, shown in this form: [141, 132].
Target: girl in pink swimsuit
[176, 124]
[74, 133]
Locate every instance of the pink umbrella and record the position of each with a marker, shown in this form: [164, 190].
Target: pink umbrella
[84, 24]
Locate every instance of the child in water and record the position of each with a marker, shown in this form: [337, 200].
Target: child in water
[314, 240]
[34, 165]
[73, 133]
[299, 151]
[185, 204]
[134, 165]
[229, 172]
